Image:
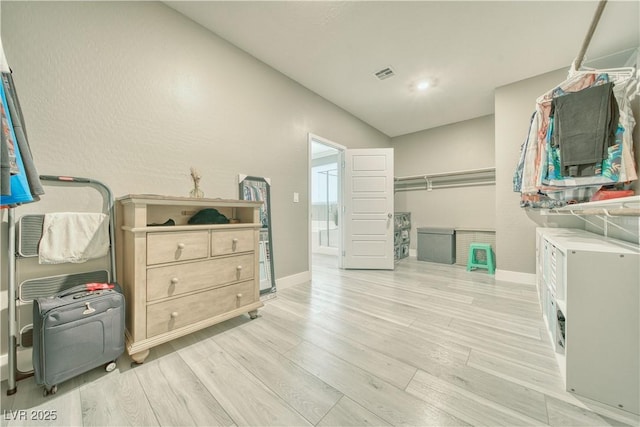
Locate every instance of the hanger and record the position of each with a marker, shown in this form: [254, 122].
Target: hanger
[620, 71]
[617, 75]
[622, 75]
[548, 95]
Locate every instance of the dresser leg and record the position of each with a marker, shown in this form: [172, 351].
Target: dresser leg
[253, 314]
[140, 357]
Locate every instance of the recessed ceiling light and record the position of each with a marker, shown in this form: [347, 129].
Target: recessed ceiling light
[423, 85]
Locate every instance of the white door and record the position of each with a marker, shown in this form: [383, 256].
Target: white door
[368, 209]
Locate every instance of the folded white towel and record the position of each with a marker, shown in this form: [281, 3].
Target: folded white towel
[73, 237]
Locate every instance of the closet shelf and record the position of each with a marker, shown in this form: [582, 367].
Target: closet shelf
[463, 178]
[623, 206]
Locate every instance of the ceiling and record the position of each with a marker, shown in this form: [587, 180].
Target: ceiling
[465, 49]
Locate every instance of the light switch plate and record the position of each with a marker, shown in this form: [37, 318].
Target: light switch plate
[296, 197]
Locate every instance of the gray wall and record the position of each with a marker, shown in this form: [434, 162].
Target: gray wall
[134, 94]
[459, 146]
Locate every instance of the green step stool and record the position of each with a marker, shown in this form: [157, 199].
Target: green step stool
[474, 262]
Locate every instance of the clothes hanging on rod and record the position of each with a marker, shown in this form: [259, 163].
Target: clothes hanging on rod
[536, 155]
[541, 177]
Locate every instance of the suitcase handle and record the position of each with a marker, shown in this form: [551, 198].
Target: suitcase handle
[99, 286]
[86, 288]
[86, 294]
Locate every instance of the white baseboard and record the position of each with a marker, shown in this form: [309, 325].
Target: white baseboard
[294, 279]
[516, 277]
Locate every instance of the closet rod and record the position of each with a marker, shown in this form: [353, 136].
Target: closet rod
[577, 63]
[436, 187]
[442, 174]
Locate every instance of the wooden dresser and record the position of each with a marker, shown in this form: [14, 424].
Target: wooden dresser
[180, 278]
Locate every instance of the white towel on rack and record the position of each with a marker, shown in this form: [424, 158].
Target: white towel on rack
[73, 237]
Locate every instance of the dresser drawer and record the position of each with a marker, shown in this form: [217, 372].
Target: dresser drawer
[183, 311]
[180, 246]
[229, 242]
[170, 280]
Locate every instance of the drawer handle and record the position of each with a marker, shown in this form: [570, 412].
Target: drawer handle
[180, 245]
[239, 268]
[234, 244]
[239, 296]
[174, 280]
[174, 314]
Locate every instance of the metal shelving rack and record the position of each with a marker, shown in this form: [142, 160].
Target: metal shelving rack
[401, 235]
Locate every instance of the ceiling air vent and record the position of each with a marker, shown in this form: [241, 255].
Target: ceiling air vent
[385, 73]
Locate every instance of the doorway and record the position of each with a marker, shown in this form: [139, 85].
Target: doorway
[325, 201]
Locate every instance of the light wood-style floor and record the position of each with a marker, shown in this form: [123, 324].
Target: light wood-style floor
[426, 344]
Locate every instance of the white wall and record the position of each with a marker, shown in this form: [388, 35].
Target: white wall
[459, 146]
[134, 94]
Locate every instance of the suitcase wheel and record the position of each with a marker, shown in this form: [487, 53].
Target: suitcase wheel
[48, 391]
[110, 366]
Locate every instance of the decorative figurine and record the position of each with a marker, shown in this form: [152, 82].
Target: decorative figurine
[196, 192]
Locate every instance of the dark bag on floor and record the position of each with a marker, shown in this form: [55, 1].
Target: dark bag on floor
[75, 331]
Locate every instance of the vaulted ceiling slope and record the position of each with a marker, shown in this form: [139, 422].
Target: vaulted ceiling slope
[464, 49]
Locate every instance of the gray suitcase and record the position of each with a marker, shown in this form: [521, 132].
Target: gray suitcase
[75, 331]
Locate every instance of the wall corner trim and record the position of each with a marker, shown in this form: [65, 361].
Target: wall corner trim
[516, 277]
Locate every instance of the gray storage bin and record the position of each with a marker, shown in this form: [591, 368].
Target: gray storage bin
[437, 245]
